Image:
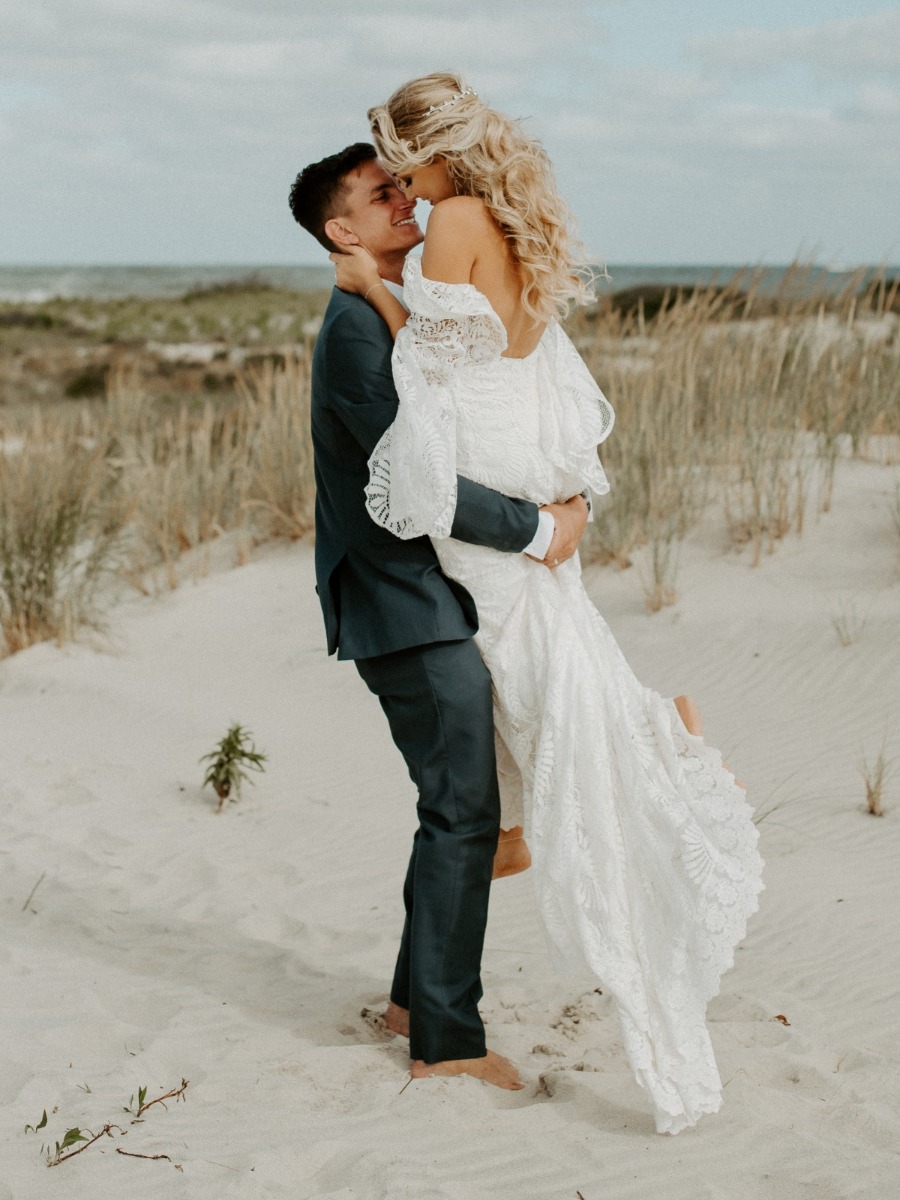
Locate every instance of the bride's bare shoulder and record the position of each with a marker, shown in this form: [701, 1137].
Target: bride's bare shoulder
[458, 229]
[462, 208]
[462, 215]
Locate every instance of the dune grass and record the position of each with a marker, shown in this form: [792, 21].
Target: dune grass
[848, 623]
[128, 488]
[726, 399]
[59, 534]
[875, 776]
[717, 404]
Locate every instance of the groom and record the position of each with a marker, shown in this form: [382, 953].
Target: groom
[409, 627]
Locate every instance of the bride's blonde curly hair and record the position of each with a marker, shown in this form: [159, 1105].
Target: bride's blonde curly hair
[489, 156]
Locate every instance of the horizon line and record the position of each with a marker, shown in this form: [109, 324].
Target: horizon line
[258, 265]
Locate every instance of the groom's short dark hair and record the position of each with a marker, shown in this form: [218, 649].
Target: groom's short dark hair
[316, 193]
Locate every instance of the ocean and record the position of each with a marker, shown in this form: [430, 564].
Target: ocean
[32, 285]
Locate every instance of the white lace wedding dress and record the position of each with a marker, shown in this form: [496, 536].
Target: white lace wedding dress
[644, 851]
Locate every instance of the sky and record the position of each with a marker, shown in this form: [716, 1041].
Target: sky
[681, 131]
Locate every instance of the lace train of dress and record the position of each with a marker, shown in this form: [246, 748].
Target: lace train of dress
[644, 852]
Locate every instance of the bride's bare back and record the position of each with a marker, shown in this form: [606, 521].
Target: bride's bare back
[464, 244]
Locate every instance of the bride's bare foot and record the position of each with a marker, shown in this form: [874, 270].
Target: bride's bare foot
[513, 855]
[493, 1068]
[693, 723]
[397, 1019]
[690, 715]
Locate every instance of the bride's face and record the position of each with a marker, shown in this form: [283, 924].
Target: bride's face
[431, 183]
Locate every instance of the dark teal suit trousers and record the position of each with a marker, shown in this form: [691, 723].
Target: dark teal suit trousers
[437, 699]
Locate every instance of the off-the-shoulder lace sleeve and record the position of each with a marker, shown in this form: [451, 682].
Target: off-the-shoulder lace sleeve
[412, 470]
[583, 420]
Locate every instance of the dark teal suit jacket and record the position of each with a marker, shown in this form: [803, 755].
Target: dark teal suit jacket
[380, 593]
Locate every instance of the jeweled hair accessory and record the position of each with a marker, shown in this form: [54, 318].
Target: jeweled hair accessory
[447, 103]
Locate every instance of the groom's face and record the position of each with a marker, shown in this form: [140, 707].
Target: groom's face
[377, 213]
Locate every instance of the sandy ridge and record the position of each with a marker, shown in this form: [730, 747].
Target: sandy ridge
[238, 950]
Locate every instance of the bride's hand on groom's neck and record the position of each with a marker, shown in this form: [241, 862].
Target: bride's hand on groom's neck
[355, 270]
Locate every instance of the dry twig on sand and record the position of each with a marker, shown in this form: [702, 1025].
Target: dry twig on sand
[33, 890]
[151, 1157]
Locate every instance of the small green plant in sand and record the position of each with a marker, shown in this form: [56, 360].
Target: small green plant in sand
[137, 1111]
[874, 777]
[60, 1152]
[229, 761]
[42, 1124]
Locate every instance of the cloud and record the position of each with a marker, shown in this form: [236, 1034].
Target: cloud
[246, 60]
[680, 156]
[477, 37]
[853, 47]
[171, 130]
[878, 100]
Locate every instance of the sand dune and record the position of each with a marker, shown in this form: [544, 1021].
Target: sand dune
[238, 950]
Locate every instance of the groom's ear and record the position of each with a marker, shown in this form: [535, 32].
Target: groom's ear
[340, 234]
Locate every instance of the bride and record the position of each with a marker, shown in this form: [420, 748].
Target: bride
[644, 850]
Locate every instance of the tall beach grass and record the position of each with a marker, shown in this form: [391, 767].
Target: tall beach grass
[127, 488]
[738, 399]
[727, 400]
[59, 531]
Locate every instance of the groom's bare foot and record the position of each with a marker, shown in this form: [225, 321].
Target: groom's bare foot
[393, 1020]
[493, 1068]
[397, 1019]
[513, 855]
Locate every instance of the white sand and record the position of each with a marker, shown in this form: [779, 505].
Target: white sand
[237, 950]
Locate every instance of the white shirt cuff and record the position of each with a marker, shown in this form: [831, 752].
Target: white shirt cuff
[540, 543]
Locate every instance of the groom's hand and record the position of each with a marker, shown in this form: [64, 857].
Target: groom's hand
[570, 520]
